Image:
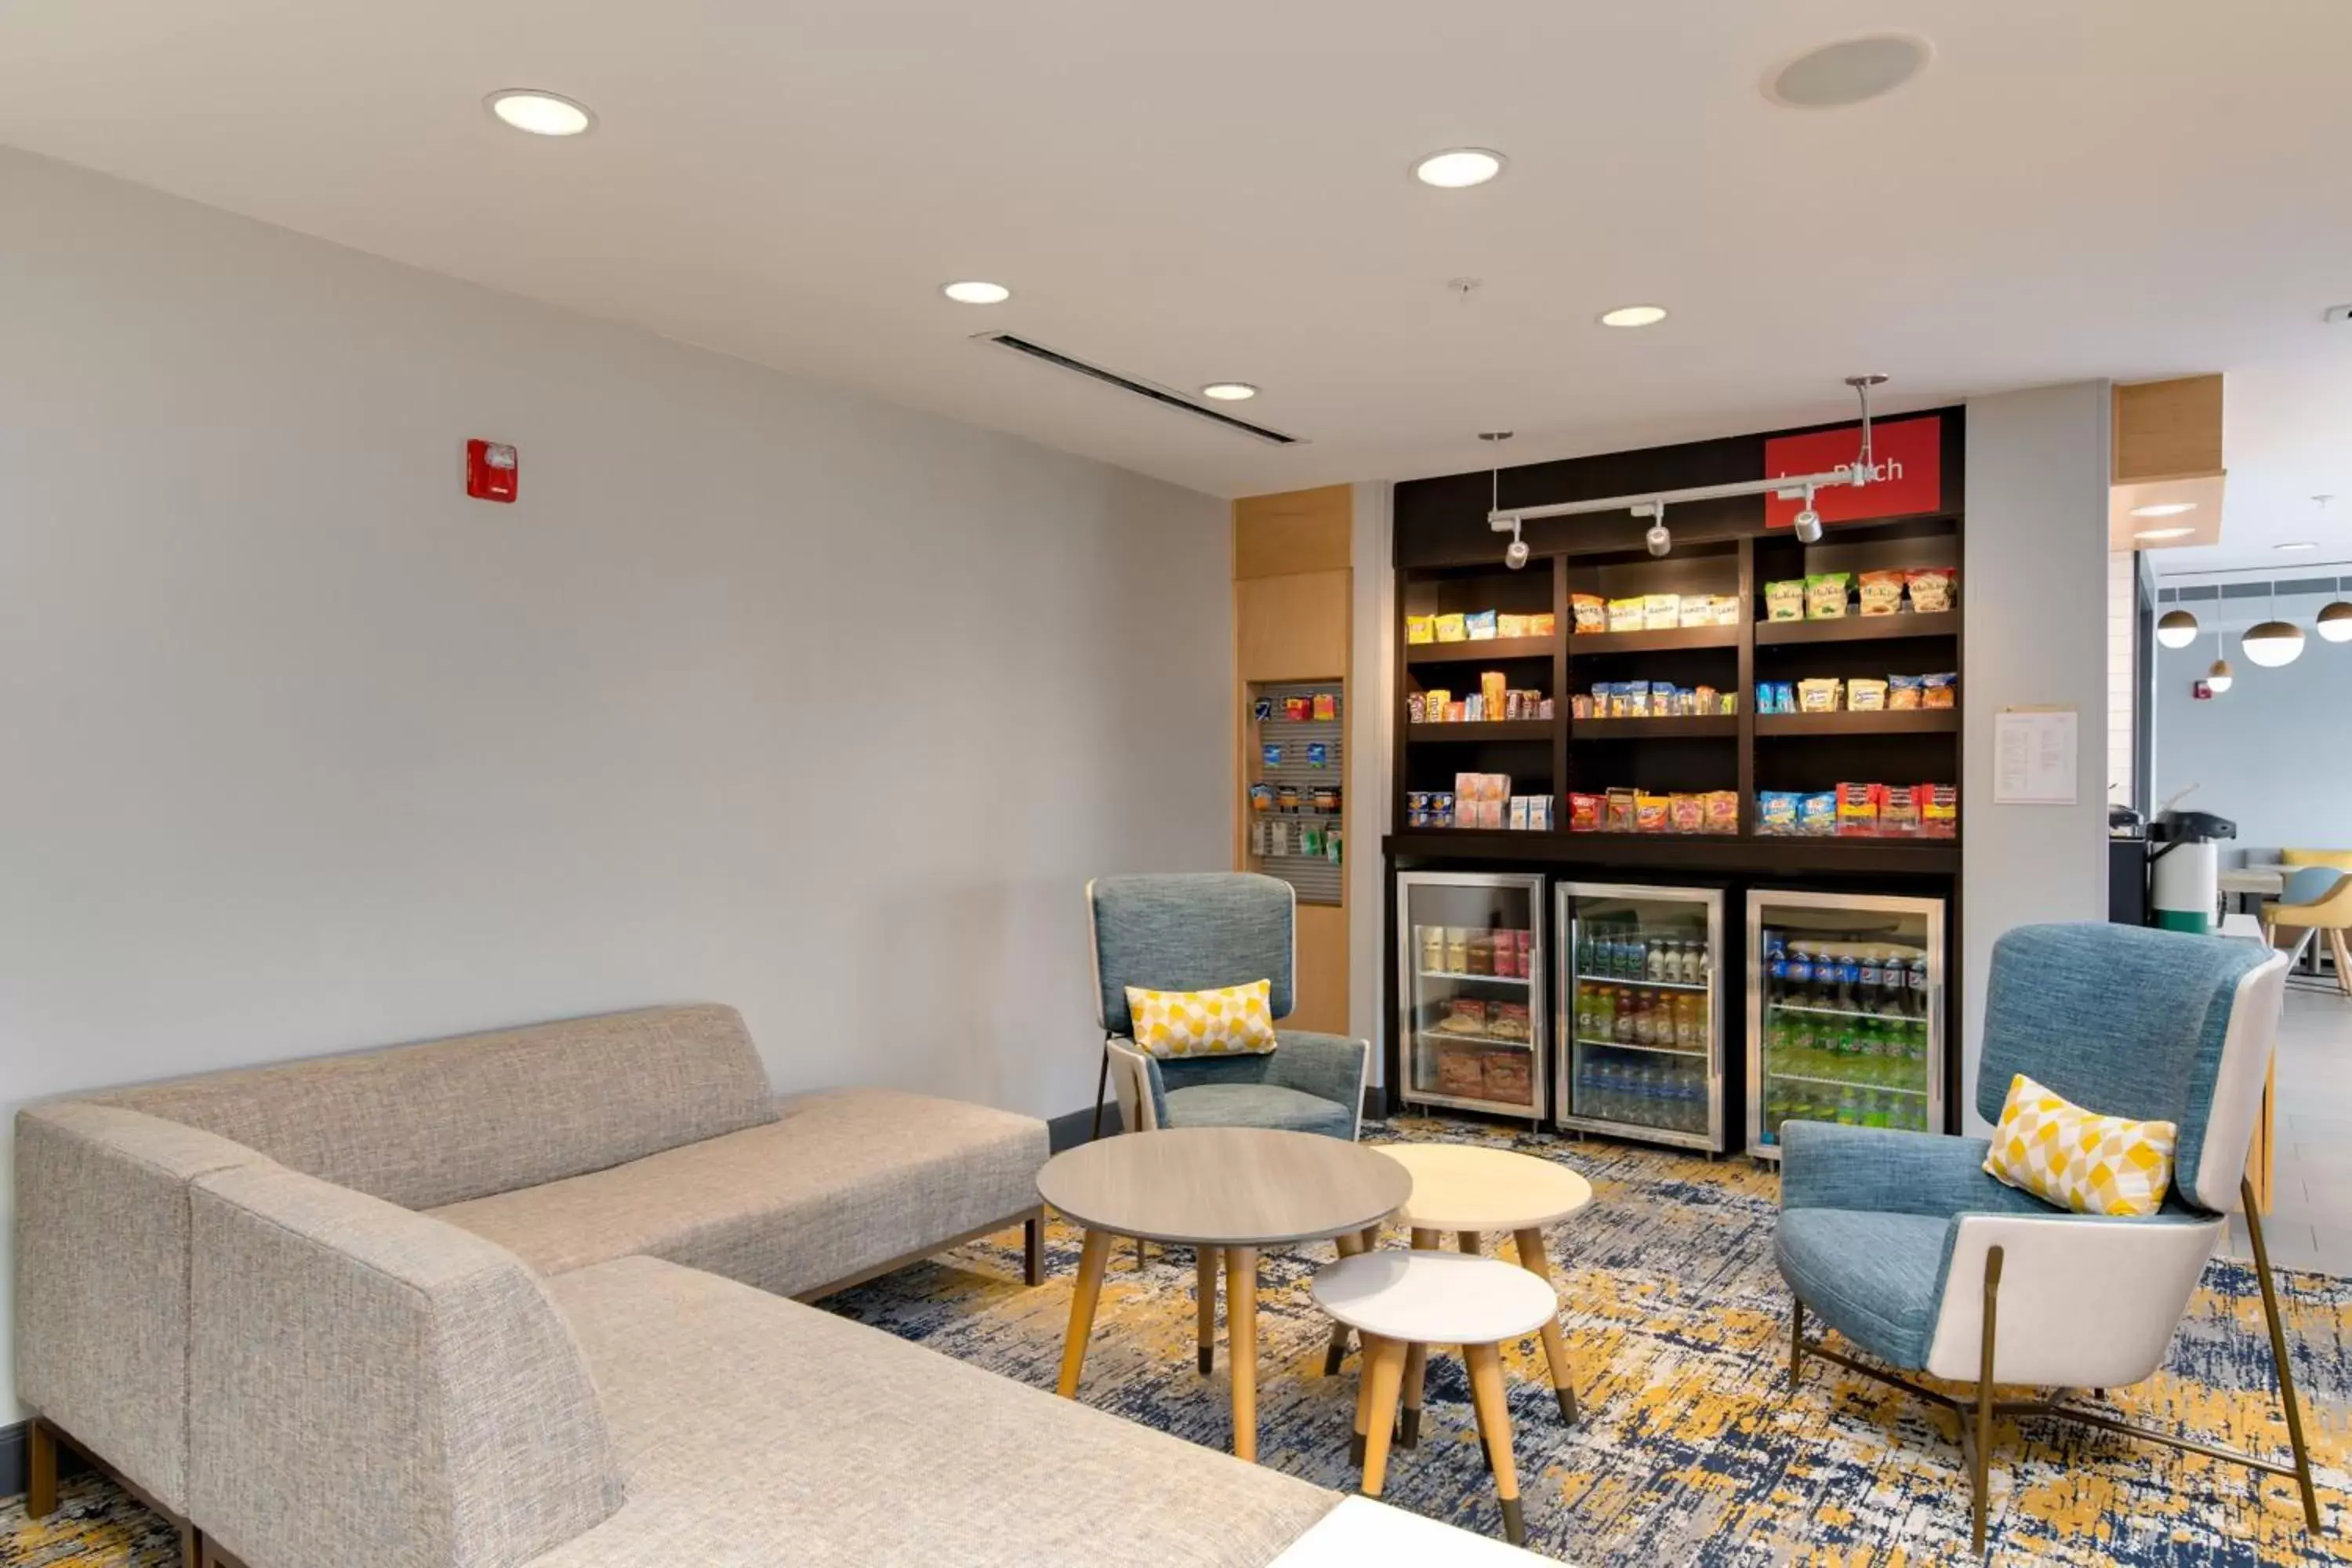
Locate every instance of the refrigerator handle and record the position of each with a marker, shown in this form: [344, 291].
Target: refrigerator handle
[1935, 1107]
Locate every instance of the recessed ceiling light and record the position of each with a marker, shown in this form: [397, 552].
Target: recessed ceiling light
[1853, 71]
[541, 113]
[972, 291]
[1633, 316]
[2298, 545]
[2165, 509]
[1229, 391]
[1458, 167]
[2153, 533]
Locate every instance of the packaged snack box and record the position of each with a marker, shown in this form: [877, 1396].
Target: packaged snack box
[1863, 695]
[1652, 813]
[1540, 817]
[1327, 705]
[1723, 811]
[1625, 614]
[1492, 684]
[1939, 809]
[1785, 601]
[1882, 593]
[1490, 813]
[1510, 625]
[1857, 809]
[1544, 625]
[1588, 611]
[1519, 813]
[1698, 610]
[1466, 786]
[1456, 712]
[1687, 812]
[1825, 596]
[1420, 628]
[1661, 612]
[1817, 813]
[1784, 697]
[1775, 810]
[1898, 808]
[1902, 691]
[1450, 628]
[1584, 812]
[1298, 709]
[1817, 695]
[1544, 709]
[1507, 1078]
[1621, 812]
[1479, 625]
[1462, 1074]
[1939, 690]
[1933, 589]
[1440, 809]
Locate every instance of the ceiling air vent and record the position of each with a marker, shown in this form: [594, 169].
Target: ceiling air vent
[1139, 388]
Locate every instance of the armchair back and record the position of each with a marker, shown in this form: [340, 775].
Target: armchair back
[1193, 931]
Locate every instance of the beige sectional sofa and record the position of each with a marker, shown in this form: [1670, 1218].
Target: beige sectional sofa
[519, 1300]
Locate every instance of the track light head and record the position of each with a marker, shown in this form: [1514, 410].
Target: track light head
[1658, 540]
[1515, 555]
[1809, 527]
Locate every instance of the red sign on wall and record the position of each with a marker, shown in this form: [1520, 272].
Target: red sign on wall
[1906, 470]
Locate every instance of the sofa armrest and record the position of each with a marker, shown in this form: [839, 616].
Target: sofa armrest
[102, 1255]
[1825, 1165]
[1328, 1067]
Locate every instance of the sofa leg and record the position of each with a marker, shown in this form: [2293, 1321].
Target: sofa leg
[41, 1476]
[191, 1546]
[1981, 1460]
[1033, 1249]
[2279, 1355]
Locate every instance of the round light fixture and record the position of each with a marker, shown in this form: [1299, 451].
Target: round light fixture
[2336, 622]
[973, 291]
[2153, 534]
[1229, 391]
[2297, 545]
[2219, 677]
[2165, 509]
[1633, 316]
[1853, 71]
[1458, 167]
[2176, 628]
[541, 113]
[2272, 643]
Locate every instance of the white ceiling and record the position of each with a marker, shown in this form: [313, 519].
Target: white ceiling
[2286, 435]
[1219, 189]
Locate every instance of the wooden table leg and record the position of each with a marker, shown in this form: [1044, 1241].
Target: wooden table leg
[1416, 1359]
[1241, 1331]
[1387, 1371]
[1204, 1264]
[1348, 1246]
[1091, 1258]
[1364, 1403]
[1469, 1241]
[1531, 1258]
[1494, 1423]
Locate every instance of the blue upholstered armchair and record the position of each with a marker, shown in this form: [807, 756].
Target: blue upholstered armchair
[1197, 932]
[1917, 1257]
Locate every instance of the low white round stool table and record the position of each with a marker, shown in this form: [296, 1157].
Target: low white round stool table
[1471, 1191]
[1403, 1302]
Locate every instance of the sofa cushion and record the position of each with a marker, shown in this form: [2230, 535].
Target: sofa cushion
[842, 1183]
[436, 1123]
[1257, 1105]
[753, 1431]
[370, 1388]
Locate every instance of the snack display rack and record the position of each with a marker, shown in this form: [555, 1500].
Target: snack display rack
[1295, 828]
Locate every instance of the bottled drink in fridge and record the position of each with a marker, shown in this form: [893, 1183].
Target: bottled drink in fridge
[1801, 975]
[1623, 1027]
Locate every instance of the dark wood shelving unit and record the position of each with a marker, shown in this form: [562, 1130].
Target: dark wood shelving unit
[1890, 721]
[1783, 857]
[1489, 650]
[1464, 734]
[1698, 727]
[1858, 629]
[1585, 645]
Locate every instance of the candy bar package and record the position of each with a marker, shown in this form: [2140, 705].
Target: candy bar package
[1414, 712]
[1825, 596]
[1456, 712]
[1588, 611]
[1285, 797]
[1584, 812]
[1543, 625]
[1327, 705]
[1420, 628]
[1622, 812]
[1775, 810]
[1857, 809]
[1785, 601]
[1324, 797]
[1653, 813]
[1934, 589]
[1507, 624]
[1863, 695]
[1939, 690]
[1479, 625]
[1625, 614]
[1882, 593]
[1723, 811]
[1450, 628]
[1817, 813]
[1903, 691]
[1687, 812]
[1818, 696]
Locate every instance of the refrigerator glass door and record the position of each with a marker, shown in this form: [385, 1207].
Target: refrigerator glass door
[1471, 974]
[1640, 1013]
[1845, 1013]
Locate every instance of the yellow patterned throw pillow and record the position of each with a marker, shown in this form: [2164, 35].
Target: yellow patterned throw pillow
[2064, 1155]
[1233, 1022]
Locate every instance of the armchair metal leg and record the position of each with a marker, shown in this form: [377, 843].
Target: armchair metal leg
[1102, 1088]
[2279, 1355]
[1796, 1344]
[1981, 1460]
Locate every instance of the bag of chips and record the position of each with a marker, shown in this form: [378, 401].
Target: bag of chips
[1903, 691]
[1584, 812]
[1775, 810]
[1863, 695]
[1825, 596]
[1882, 593]
[1817, 812]
[1544, 625]
[1588, 611]
[1507, 624]
[1933, 588]
[1817, 695]
[1939, 690]
[1479, 625]
[1625, 614]
[1785, 601]
[1652, 813]
[1723, 811]
[1419, 629]
[1620, 812]
[1687, 812]
[1450, 629]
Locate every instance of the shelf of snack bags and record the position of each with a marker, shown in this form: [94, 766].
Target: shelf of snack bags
[1648, 621]
[1925, 811]
[1478, 800]
[1892, 704]
[1849, 606]
[1688, 814]
[1479, 634]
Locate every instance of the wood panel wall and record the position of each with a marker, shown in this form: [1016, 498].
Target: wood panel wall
[1294, 590]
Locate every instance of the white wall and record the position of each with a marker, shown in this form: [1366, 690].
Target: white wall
[2123, 673]
[760, 693]
[2033, 587]
[1371, 713]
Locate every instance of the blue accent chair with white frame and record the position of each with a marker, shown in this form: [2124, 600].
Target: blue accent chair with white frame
[1926, 1263]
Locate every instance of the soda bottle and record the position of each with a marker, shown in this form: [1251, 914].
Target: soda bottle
[1915, 984]
[1801, 975]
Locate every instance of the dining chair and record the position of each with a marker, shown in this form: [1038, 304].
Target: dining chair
[1923, 1262]
[2314, 897]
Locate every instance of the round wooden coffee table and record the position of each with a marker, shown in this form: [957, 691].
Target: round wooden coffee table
[1229, 1190]
[1471, 1191]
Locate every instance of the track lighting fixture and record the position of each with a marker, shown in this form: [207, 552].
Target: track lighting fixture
[1657, 538]
[2176, 628]
[1808, 521]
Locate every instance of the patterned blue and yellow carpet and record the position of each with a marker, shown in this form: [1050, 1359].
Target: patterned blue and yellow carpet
[1692, 1450]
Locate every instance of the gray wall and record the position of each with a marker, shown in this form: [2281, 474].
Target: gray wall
[2274, 753]
[2033, 588]
[760, 693]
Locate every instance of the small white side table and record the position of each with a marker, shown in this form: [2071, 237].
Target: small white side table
[1407, 1301]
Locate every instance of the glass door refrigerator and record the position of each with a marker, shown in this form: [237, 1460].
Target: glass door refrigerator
[1640, 1014]
[1845, 1013]
[1471, 974]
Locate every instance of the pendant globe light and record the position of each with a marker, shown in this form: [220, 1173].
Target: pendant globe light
[2272, 643]
[2221, 676]
[2335, 620]
[2177, 628]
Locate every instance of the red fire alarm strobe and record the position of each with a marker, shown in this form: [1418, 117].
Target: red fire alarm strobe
[491, 471]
